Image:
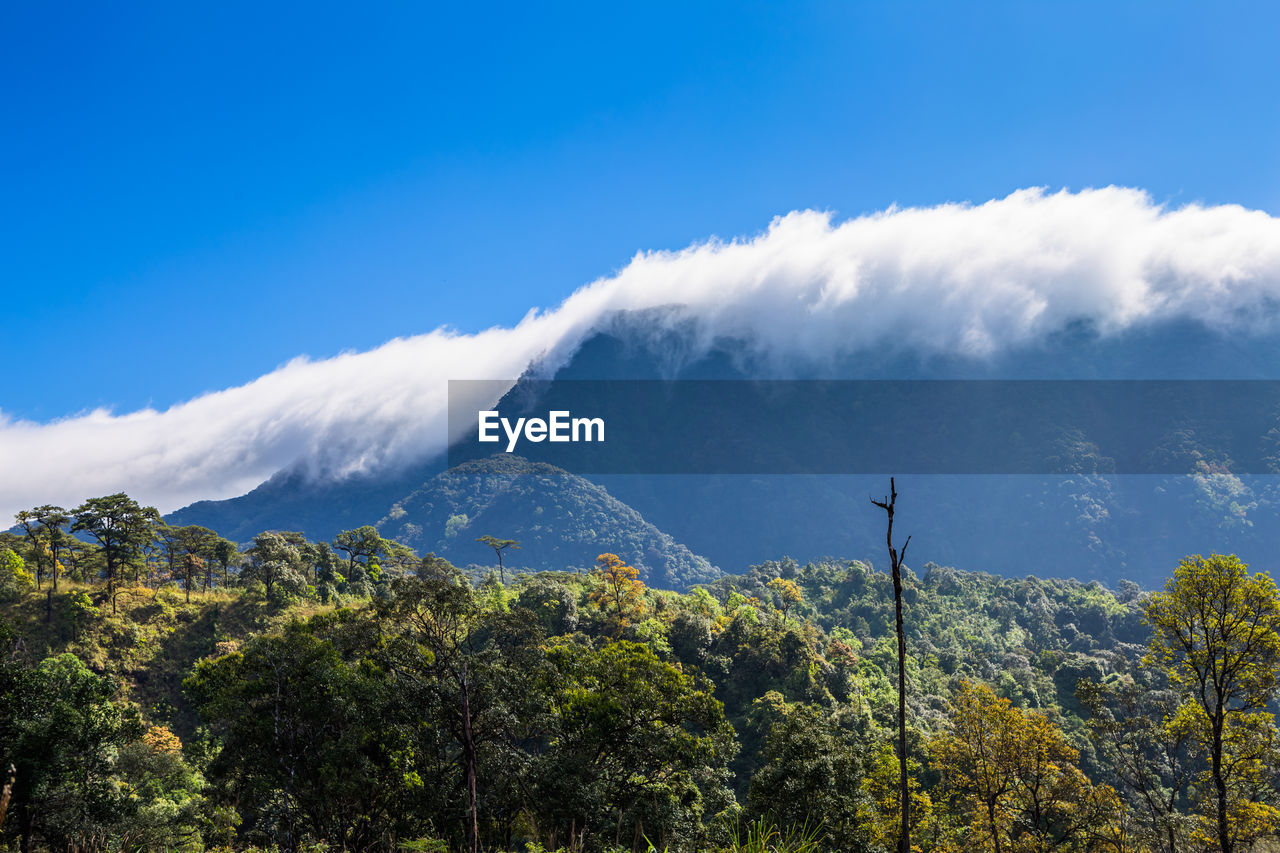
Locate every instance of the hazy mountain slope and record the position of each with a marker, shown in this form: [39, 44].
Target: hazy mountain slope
[1082, 525]
[293, 501]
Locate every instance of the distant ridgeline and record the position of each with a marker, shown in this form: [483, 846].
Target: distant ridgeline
[1094, 480]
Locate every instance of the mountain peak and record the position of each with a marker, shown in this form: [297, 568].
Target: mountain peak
[561, 520]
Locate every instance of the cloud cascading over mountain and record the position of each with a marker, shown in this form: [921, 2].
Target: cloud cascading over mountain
[956, 279]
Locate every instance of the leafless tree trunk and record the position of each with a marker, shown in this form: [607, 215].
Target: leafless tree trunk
[895, 563]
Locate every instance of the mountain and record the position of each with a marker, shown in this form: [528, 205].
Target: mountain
[1084, 524]
[560, 520]
[292, 500]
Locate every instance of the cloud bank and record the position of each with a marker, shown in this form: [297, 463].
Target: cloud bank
[953, 279]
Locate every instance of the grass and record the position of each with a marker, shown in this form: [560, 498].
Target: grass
[763, 836]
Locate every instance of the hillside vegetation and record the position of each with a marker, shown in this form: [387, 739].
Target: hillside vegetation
[561, 520]
[377, 701]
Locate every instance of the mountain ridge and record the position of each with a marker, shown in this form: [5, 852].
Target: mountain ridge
[1084, 525]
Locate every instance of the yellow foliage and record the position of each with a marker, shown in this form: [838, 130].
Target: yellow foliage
[1011, 774]
[619, 591]
[788, 593]
[160, 739]
[14, 577]
[1216, 633]
[880, 813]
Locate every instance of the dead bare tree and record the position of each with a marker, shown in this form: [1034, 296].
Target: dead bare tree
[895, 563]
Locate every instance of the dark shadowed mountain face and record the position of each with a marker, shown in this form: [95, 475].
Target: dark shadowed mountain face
[1084, 524]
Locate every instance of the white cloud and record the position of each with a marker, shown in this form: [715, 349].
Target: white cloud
[952, 278]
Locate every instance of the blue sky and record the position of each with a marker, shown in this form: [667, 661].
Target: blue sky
[194, 195]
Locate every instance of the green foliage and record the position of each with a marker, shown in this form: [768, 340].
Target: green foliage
[164, 794]
[276, 563]
[498, 546]
[554, 605]
[763, 836]
[80, 610]
[363, 546]
[561, 521]
[304, 752]
[641, 745]
[83, 765]
[811, 767]
[15, 580]
[121, 527]
[1217, 637]
[1151, 762]
[1012, 780]
[414, 708]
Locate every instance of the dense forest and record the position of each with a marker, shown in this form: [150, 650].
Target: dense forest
[164, 688]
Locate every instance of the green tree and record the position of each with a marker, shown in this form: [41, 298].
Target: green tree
[498, 546]
[61, 731]
[193, 565]
[433, 568]
[327, 571]
[202, 543]
[362, 546]
[35, 543]
[308, 749]
[168, 540]
[399, 558]
[879, 811]
[45, 527]
[121, 527]
[275, 562]
[479, 673]
[165, 794]
[1012, 778]
[640, 748]
[553, 604]
[15, 580]
[192, 548]
[787, 593]
[1216, 633]
[443, 623]
[1131, 726]
[810, 771]
[226, 553]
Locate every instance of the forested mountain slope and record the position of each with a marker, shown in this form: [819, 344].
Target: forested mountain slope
[560, 520]
[1086, 523]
